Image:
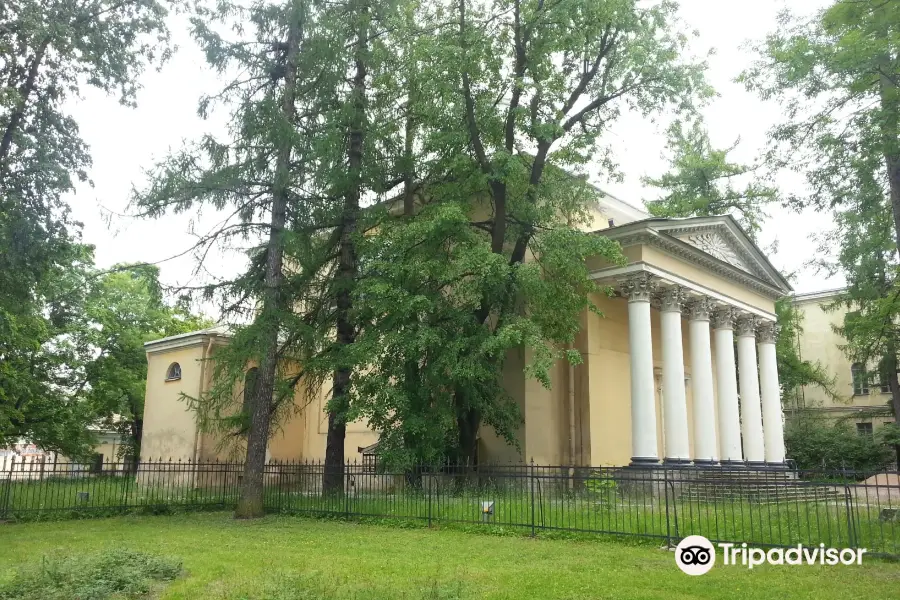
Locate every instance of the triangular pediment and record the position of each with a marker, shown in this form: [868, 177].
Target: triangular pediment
[723, 239]
[716, 243]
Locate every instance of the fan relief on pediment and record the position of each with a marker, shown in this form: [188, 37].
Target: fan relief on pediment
[719, 247]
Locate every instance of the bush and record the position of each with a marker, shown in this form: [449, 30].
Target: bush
[120, 574]
[817, 444]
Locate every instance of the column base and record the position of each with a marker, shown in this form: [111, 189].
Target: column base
[733, 464]
[777, 466]
[644, 461]
[756, 464]
[677, 462]
[705, 463]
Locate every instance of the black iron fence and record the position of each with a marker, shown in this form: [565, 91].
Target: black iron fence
[765, 508]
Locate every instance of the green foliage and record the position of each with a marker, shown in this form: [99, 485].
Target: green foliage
[603, 487]
[49, 52]
[423, 280]
[835, 74]
[818, 443]
[702, 182]
[491, 259]
[111, 574]
[123, 309]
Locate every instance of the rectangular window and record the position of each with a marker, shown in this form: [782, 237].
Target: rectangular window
[860, 380]
[864, 428]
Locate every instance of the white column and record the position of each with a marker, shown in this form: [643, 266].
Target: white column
[675, 414]
[705, 447]
[770, 392]
[727, 391]
[638, 288]
[748, 377]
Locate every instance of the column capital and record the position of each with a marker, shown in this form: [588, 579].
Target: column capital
[767, 332]
[724, 317]
[747, 325]
[700, 309]
[672, 299]
[638, 287]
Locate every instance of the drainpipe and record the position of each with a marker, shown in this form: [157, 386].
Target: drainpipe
[571, 382]
[206, 351]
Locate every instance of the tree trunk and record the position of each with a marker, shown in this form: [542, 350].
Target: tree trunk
[137, 435]
[468, 423]
[890, 104]
[18, 112]
[347, 271]
[250, 504]
[893, 382]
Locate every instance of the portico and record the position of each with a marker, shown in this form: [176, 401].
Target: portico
[734, 417]
[740, 435]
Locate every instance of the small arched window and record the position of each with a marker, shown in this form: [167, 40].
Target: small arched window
[173, 373]
[860, 379]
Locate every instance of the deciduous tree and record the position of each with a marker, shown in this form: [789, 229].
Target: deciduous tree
[49, 52]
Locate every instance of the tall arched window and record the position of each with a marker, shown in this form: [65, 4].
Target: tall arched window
[860, 379]
[173, 373]
[250, 380]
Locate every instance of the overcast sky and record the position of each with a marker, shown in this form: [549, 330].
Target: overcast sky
[125, 141]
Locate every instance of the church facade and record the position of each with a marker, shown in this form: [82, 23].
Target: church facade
[680, 369]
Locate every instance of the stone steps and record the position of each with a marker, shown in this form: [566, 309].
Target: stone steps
[766, 494]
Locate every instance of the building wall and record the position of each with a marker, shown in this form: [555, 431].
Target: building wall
[316, 429]
[820, 343]
[170, 429]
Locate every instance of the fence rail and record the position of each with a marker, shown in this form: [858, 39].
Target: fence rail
[767, 508]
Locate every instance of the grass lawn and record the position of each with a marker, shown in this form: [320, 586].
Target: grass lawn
[281, 558]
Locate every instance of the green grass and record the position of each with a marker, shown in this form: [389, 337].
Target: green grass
[281, 558]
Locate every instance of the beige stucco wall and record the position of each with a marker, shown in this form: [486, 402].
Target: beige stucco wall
[820, 343]
[109, 450]
[316, 429]
[170, 429]
[599, 434]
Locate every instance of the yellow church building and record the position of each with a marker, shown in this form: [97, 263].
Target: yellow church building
[680, 369]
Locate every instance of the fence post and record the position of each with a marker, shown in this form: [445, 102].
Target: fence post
[851, 529]
[666, 504]
[531, 478]
[12, 465]
[347, 489]
[428, 491]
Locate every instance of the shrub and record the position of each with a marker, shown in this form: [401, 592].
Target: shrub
[121, 574]
[817, 443]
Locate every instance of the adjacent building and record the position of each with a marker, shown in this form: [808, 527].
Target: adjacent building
[863, 398]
